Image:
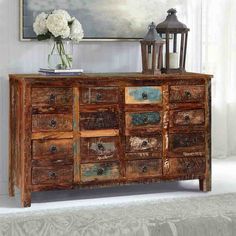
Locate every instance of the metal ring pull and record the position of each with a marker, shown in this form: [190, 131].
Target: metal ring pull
[144, 96]
[100, 171]
[53, 149]
[53, 123]
[52, 174]
[52, 98]
[101, 147]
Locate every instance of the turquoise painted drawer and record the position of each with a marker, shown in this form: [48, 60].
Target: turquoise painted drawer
[143, 119]
[143, 95]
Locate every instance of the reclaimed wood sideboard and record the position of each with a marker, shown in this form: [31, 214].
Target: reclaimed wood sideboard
[99, 130]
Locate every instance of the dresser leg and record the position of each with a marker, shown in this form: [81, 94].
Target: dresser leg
[205, 184]
[26, 199]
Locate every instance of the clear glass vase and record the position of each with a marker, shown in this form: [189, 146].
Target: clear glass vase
[60, 54]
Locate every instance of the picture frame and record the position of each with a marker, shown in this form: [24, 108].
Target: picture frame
[102, 20]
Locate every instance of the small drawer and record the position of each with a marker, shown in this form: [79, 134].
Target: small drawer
[143, 95]
[143, 119]
[44, 149]
[185, 166]
[187, 117]
[49, 122]
[187, 93]
[144, 143]
[52, 175]
[52, 96]
[143, 155]
[187, 144]
[99, 95]
[99, 120]
[143, 168]
[99, 149]
[100, 171]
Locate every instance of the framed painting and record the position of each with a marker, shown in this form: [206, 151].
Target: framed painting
[101, 19]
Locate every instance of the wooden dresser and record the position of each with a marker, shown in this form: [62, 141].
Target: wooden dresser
[99, 130]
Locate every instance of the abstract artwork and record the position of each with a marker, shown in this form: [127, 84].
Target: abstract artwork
[103, 19]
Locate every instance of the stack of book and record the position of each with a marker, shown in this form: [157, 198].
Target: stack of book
[60, 72]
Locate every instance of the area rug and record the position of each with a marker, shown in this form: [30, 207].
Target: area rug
[200, 216]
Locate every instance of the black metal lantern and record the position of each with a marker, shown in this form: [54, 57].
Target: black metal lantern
[152, 47]
[176, 36]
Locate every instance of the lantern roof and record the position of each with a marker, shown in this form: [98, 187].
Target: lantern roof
[152, 34]
[171, 24]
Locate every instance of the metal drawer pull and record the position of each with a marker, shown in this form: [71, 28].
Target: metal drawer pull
[187, 94]
[187, 118]
[99, 97]
[52, 98]
[144, 143]
[52, 175]
[53, 149]
[144, 169]
[53, 123]
[101, 147]
[144, 96]
[100, 171]
[145, 119]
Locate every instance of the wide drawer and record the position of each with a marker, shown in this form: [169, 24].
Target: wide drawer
[143, 168]
[185, 166]
[100, 171]
[51, 122]
[145, 143]
[187, 144]
[99, 120]
[143, 95]
[99, 149]
[187, 117]
[52, 96]
[99, 95]
[187, 93]
[61, 148]
[52, 175]
[143, 119]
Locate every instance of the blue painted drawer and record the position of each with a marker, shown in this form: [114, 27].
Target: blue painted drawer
[143, 95]
[143, 119]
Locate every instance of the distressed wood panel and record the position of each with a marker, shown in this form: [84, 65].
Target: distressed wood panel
[143, 95]
[143, 155]
[143, 168]
[99, 95]
[51, 122]
[52, 175]
[144, 143]
[99, 149]
[107, 119]
[186, 166]
[59, 161]
[187, 93]
[100, 171]
[187, 117]
[43, 149]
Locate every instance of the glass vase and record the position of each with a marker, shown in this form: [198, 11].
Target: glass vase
[60, 54]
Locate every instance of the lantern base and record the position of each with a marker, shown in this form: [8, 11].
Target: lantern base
[173, 71]
[151, 72]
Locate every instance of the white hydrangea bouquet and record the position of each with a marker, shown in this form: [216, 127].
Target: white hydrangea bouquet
[62, 29]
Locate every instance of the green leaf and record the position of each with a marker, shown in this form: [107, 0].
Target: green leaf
[44, 36]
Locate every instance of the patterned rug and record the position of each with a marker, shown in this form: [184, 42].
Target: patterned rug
[200, 216]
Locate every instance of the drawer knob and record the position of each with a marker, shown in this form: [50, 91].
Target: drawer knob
[144, 143]
[99, 96]
[144, 169]
[100, 171]
[52, 98]
[145, 119]
[187, 94]
[144, 96]
[53, 149]
[187, 118]
[101, 147]
[53, 123]
[52, 175]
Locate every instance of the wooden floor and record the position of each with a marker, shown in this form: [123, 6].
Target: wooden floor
[224, 181]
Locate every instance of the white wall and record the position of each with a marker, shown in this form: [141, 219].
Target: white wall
[27, 57]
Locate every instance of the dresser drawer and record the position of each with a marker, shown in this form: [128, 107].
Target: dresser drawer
[44, 149]
[99, 95]
[143, 119]
[187, 117]
[49, 122]
[99, 120]
[143, 95]
[143, 155]
[98, 149]
[52, 175]
[185, 166]
[52, 96]
[144, 143]
[187, 144]
[187, 93]
[100, 171]
[143, 168]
